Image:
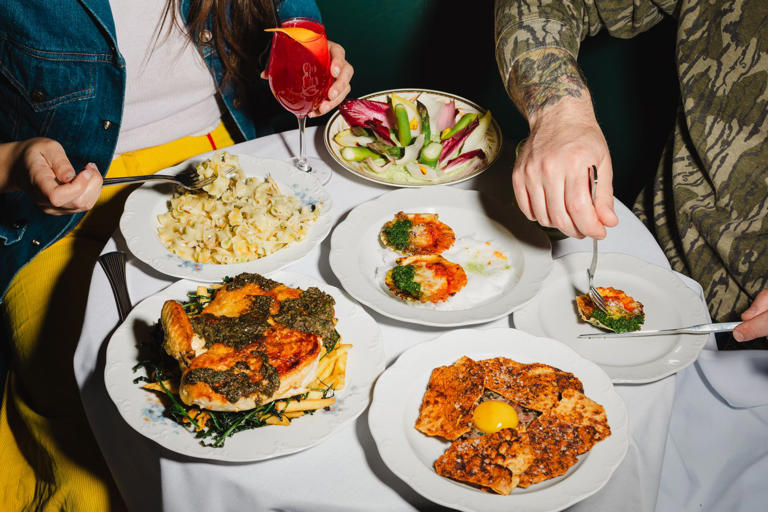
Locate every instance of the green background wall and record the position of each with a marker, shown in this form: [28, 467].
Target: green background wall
[448, 45]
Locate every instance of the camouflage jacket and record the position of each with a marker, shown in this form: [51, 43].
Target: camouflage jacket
[708, 206]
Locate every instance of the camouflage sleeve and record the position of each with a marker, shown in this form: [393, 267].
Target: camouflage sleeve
[522, 26]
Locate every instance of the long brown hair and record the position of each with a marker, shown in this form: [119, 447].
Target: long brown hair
[238, 33]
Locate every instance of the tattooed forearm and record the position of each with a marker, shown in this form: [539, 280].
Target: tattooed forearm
[543, 78]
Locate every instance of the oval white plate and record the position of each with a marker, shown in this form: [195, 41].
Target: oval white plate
[356, 252]
[411, 454]
[144, 412]
[139, 224]
[336, 124]
[666, 300]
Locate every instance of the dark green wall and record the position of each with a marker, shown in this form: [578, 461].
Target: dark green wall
[448, 45]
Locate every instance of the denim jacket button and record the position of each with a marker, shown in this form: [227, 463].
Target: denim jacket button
[35, 242]
[106, 125]
[38, 96]
[205, 36]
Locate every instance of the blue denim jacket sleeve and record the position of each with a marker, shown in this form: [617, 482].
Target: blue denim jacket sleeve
[69, 85]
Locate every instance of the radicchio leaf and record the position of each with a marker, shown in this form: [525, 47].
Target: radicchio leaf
[361, 112]
[451, 145]
[478, 155]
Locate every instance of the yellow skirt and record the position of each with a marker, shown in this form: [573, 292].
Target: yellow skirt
[49, 458]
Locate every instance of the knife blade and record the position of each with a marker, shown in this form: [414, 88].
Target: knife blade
[692, 329]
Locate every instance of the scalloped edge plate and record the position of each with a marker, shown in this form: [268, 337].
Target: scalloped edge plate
[139, 224]
[355, 243]
[410, 454]
[143, 411]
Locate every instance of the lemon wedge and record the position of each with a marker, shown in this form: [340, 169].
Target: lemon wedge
[299, 34]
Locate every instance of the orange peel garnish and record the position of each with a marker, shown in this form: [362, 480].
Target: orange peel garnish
[299, 34]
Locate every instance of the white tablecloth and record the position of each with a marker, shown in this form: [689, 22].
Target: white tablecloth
[346, 473]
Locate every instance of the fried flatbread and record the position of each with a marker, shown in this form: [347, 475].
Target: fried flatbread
[495, 460]
[536, 386]
[450, 398]
[575, 408]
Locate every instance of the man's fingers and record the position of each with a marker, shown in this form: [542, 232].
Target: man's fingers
[556, 209]
[521, 194]
[578, 201]
[604, 195]
[759, 305]
[753, 328]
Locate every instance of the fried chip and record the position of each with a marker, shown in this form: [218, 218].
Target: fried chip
[452, 391]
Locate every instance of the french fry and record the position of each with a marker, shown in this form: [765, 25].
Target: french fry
[304, 405]
[274, 420]
[315, 395]
[295, 414]
[324, 368]
[202, 291]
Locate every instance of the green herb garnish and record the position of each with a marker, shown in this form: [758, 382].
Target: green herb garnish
[398, 234]
[619, 323]
[402, 277]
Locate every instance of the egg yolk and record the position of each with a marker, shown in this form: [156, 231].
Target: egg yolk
[494, 415]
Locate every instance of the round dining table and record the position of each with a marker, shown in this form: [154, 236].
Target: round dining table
[698, 440]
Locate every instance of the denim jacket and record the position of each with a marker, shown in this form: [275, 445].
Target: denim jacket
[62, 76]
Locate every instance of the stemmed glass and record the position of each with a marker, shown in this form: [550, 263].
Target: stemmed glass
[299, 73]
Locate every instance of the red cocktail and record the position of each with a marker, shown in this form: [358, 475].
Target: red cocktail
[299, 74]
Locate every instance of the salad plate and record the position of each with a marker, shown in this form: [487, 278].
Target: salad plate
[466, 140]
[139, 222]
[411, 455]
[484, 231]
[667, 302]
[144, 412]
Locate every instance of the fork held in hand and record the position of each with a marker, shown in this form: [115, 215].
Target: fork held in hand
[593, 293]
[188, 178]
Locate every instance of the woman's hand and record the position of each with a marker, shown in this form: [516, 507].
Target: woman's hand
[342, 72]
[755, 319]
[41, 168]
[551, 173]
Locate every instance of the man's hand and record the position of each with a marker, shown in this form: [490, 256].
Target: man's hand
[755, 319]
[342, 72]
[42, 169]
[551, 173]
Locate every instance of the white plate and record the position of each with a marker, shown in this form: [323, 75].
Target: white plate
[666, 300]
[336, 123]
[356, 253]
[139, 224]
[411, 454]
[144, 412]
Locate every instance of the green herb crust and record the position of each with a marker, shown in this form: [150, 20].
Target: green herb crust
[398, 234]
[402, 277]
[234, 383]
[619, 323]
[236, 332]
[311, 312]
[241, 280]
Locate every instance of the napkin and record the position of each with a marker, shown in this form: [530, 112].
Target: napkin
[719, 369]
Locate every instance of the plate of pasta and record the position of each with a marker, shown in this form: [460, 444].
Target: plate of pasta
[200, 382]
[255, 215]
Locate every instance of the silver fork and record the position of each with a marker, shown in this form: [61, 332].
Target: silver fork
[593, 293]
[113, 264]
[188, 178]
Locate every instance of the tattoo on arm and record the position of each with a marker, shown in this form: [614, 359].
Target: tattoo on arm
[542, 79]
